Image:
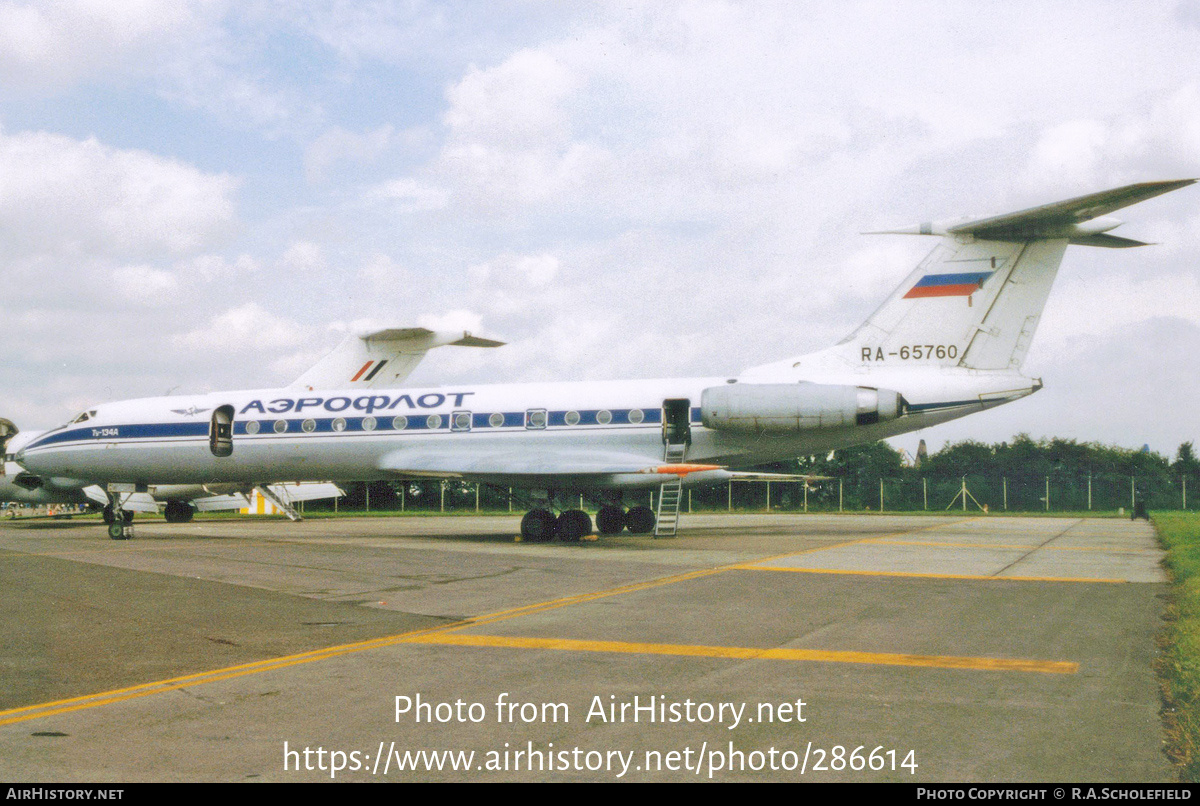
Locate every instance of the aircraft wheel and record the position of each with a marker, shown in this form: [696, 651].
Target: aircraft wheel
[610, 520]
[640, 520]
[178, 512]
[116, 531]
[572, 525]
[538, 526]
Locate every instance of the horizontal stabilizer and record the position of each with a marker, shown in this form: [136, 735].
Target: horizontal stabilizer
[1107, 241]
[421, 335]
[1067, 219]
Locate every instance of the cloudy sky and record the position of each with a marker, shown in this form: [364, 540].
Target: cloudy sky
[201, 196]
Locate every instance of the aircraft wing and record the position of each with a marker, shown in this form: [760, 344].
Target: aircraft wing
[138, 502]
[292, 493]
[749, 475]
[523, 463]
[382, 358]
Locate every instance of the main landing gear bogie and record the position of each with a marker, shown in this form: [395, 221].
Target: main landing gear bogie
[541, 526]
[107, 515]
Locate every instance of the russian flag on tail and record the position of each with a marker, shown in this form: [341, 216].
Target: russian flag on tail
[948, 285]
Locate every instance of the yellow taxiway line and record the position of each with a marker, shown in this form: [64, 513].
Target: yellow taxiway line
[977, 577]
[441, 635]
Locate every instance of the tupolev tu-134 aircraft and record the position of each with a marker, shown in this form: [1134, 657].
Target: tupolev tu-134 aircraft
[948, 342]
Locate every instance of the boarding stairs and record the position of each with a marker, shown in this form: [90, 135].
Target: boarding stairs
[670, 493]
[284, 506]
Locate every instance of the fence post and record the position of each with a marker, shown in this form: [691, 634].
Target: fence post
[925, 491]
[1004, 484]
[730, 505]
[443, 486]
[840, 494]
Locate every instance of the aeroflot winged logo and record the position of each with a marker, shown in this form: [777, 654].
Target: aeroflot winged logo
[949, 285]
[190, 411]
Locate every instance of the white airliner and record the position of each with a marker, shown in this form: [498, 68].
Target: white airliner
[363, 360]
[948, 342]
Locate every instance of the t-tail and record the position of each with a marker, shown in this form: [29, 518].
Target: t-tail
[975, 302]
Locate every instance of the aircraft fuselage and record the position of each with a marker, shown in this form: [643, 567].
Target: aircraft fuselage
[285, 435]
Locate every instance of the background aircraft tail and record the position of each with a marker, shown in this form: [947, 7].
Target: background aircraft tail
[382, 358]
[976, 300]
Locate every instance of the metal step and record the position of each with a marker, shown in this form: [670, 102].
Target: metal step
[670, 494]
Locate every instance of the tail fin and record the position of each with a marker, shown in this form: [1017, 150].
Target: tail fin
[976, 300]
[382, 358]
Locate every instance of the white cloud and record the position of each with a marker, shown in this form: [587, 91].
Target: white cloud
[302, 256]
[61, 195]
[339, 145]
[145, 285]
[245, 328]
[409, 195]
[55, 43]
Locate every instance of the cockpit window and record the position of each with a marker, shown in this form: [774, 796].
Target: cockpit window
[84, 417]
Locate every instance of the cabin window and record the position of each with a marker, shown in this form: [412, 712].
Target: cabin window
[339, 424]
[220, 432]
[636, 416]
[460, 421]
[604, 417]
[308, 426]
[399, 422]
[433, 421]
[496, 419]
[571, 418]
[369, 423]
[535, 418]
[280, 426]
[252, 427]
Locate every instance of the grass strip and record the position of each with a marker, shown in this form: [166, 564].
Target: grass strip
[1179, 642]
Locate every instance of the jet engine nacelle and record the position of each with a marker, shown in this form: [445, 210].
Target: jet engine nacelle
[796, 406]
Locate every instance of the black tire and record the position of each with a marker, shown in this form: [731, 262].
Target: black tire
[178, 512]
[640, 520]
[116, 531]
[572, 525]
[610, 520]
[538, 526]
